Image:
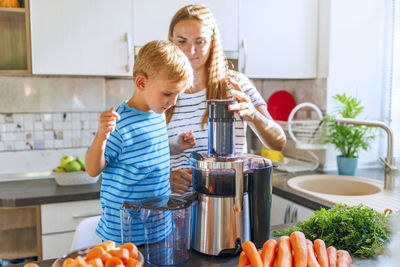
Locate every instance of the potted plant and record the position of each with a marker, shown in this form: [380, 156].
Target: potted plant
[348, 139]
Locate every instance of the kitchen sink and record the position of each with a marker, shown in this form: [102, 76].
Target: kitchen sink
[339, 185]
[349, 190]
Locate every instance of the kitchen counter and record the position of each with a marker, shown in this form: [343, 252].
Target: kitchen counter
[46, 191]
[201, 260]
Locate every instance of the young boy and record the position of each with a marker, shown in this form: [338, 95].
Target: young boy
[131, 145]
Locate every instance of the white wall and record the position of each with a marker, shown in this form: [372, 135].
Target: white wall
[358, 34]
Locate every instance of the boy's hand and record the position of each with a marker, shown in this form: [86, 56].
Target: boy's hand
[108, 121]
[180, 180]
[186, 140]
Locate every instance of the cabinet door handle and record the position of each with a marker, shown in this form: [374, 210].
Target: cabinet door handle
[293, 218]
[129, 50]
[85, 215]
[286, 219]
[243, 58]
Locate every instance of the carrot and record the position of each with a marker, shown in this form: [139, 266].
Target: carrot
[268, 252]
[96, 252]
[69, 262]
[276, 258]
[320, 251]
[133, 250]
[311, 260]
[243, 259]
[343, 258]
[132, 263]
[251, 251]
[114, 262]
[285, 257]
[95, 262]
[332, 256]
[107, 245]
[105, 257]
[299, 245]
[121, 253]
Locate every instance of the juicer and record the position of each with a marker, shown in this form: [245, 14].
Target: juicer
[234, 191]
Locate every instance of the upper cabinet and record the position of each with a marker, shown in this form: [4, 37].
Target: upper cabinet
[152, 18]
[279, 39]
[15, 57]
[284, 39]
[82, 37]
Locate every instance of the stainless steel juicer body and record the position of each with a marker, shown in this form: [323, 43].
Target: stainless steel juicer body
[220, 220]
[233, 206]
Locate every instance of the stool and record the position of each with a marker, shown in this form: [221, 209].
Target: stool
[85, 234]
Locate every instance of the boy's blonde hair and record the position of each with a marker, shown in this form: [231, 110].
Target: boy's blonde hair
[217, 65]
[163, 57]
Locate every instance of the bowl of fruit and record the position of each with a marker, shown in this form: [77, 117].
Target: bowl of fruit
[72, 172]
[104, 254]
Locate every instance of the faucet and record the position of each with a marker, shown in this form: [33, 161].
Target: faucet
[388, 162]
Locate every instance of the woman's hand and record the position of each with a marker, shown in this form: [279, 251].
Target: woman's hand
[244, 107]
[180, 181]
[260, 121]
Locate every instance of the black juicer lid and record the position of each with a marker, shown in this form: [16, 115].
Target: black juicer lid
[253, 162]
[171, 202]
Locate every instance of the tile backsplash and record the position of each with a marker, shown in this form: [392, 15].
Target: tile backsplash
[36, 131]
[45, 117]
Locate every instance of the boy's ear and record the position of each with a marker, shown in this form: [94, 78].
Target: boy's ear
[140, 81]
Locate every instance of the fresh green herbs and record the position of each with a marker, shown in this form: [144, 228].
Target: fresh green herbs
[359, 230]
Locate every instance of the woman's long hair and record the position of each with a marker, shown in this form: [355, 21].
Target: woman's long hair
[217, 65]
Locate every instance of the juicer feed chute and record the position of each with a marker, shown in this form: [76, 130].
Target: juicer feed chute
[234, 191]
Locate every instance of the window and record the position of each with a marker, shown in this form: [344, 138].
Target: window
[394, 78]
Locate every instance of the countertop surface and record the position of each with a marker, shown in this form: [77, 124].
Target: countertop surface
[201, 260]
[46, 191]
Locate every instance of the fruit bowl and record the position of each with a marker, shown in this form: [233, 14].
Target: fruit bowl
[74, 178]
[82, 252]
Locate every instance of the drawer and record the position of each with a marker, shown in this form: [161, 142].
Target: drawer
[64, 217]
[56, 245]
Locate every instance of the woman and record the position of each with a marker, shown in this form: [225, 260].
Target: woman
[193, 28]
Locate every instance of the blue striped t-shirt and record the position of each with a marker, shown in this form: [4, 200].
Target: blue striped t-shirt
[138, 161]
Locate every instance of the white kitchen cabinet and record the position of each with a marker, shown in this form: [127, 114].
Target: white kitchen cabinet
[278, 39]
[284, 211]
[152, 18]
[56, 245]
[59, 221]
[82, 37]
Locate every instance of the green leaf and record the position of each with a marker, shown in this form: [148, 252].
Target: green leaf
[349, 139]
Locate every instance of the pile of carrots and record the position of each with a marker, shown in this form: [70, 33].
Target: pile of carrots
[107, 254]
[294, 250]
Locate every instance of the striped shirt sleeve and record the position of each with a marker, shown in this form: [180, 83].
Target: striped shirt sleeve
[114, 146]
[249, 89]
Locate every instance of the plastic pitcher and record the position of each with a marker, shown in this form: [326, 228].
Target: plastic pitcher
[166, 222]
